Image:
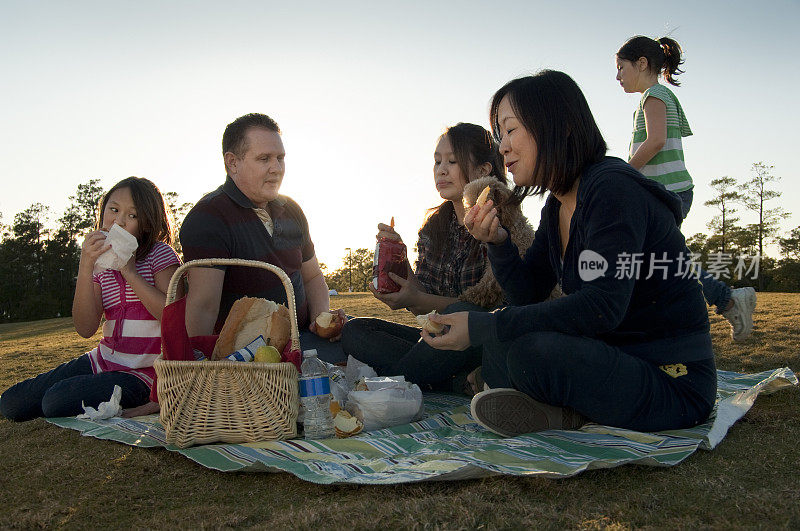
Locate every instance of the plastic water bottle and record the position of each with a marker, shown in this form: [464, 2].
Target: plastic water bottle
[315, 397]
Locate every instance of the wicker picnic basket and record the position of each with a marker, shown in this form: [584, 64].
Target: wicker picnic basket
[228, 401]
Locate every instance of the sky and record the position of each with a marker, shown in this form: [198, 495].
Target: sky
[362, 90]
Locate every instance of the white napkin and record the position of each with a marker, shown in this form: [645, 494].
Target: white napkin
[105, 410]
[123, 245]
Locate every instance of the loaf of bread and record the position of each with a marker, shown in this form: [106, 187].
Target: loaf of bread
[249, 318]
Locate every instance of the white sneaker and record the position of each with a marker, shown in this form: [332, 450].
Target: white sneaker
[741, 315]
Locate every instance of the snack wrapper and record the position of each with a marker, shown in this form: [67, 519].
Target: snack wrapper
[248, 352]
[123, 245]
[388, 401]
[390, 256]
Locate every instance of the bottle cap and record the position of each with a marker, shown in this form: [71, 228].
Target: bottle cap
[310, 352]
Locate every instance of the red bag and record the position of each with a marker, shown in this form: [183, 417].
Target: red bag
[176, 343]
[390, 256]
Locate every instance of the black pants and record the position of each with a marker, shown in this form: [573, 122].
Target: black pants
[60, 391]
[605, 383]
[393, 349]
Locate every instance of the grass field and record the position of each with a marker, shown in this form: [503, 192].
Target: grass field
[52, 477]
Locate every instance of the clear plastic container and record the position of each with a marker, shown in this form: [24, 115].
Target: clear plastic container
[315, 397]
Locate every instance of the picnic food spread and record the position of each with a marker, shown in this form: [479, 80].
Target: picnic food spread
[425, 323]
[329, 324]
[249, 318]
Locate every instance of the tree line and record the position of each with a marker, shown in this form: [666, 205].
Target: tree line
[730, 236]
[38, 264]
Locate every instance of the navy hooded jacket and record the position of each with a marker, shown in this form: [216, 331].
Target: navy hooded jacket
[655, 311]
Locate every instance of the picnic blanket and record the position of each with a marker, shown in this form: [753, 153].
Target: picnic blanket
[448, 445]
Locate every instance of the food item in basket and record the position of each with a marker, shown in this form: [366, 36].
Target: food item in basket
[329, 324]
[425, 322]
[249, 318]
[483, 197]
[346, 425]
[390, 256]
[267, 354]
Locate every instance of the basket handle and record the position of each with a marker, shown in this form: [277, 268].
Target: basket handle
[206, 262]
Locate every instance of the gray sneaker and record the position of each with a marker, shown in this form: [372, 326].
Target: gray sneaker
[741, 315]
[509, 413]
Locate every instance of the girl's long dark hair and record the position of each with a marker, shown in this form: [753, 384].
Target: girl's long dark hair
[152, 211]
[663, 56]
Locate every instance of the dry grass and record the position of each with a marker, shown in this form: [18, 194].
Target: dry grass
[51, 477]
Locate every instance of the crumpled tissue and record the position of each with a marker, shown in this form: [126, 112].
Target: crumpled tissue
[123, 245]
[105, 410]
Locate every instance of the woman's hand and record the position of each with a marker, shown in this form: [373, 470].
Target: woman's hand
[484, 225]
[93, 246]
[388, 232]
[408, 295]
[454, 338]
[145, 409]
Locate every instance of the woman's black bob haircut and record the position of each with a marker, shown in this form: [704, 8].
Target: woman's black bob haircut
[552, 108]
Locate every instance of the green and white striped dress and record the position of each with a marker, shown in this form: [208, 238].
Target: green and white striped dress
[667, 166]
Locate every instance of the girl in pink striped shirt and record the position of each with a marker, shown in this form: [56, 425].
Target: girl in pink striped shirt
[132, 300]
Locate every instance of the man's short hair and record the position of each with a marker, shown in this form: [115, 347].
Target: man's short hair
[234, 139]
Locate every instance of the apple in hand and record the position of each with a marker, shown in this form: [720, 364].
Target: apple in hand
[329, 324]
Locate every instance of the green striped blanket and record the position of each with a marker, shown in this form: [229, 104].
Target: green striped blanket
[448, 445]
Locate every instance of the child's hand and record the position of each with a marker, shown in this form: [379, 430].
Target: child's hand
[93, 246]
[129, 268]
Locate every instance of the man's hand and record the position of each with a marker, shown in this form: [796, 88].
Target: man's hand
[454, 338]
[484, 225]
[339, 315]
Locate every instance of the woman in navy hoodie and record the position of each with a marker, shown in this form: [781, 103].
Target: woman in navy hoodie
[628, 343]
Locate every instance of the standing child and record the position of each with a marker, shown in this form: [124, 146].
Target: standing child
[656, 151]
[132, 299]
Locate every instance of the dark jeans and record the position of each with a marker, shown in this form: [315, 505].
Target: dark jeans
[716, 292]
[602, 382]
[59, 392]
[393, 349]
[326, 350]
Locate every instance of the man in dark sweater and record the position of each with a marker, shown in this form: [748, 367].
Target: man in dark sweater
[246, 218]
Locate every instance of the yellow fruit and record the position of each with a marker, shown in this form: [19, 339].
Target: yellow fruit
[268, 354]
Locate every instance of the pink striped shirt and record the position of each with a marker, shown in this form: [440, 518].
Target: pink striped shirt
[131, 335]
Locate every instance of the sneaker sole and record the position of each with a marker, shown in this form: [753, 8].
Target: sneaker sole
[749, 301]
[509, 413]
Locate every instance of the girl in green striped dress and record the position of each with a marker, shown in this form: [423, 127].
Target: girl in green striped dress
[656, 150]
